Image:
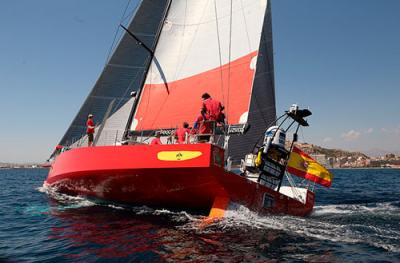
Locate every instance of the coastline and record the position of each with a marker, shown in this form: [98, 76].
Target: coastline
[364, 168]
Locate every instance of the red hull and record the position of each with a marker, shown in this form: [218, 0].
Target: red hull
[189, 176]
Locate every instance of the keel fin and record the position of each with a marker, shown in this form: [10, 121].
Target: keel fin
[219, 206]
[217, 211]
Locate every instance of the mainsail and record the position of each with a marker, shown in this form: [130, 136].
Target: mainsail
[123, 73]
[221, 47]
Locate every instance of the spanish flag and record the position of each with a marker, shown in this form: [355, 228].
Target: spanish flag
[302, 165]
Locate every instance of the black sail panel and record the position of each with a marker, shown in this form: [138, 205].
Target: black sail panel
[262, 106]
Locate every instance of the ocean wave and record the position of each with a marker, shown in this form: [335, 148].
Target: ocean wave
[319, 225]
[67, 201]
[385, 207]
[73, 202]
[313, 227]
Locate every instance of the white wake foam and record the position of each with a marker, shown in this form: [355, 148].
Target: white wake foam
[356, 208]
[71, 202]
[66, 201]
[318, 227]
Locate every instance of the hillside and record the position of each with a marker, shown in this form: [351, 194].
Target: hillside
[314, 149]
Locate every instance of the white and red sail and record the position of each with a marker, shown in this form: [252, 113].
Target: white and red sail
[205, 46]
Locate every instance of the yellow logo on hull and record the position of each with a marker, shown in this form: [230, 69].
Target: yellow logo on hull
[178, 155]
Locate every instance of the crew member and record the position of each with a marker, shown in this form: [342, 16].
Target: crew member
[58, 150]
[203, 127]
[90, 129]
[213, 110]
[182, 133]
[156, 140]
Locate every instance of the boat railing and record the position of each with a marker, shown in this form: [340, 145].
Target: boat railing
[212, 137]
[107, 137]
[213, 133]
[114, 137]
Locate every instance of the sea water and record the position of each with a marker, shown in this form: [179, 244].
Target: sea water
[357, 220]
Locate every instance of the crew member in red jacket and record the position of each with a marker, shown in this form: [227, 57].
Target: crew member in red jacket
[203, 128]
[213, 110]
[182, 133]
[156, 140]
[90, 129]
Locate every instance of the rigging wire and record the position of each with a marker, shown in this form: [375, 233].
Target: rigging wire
[149, 66]
[193, 38]
[179, 65]
[161, 107]
[229, 63]
[128, 88]
[265, 36]
[302, 134]
[219, 51]
[116, 32]
[64, 140]
[131, 13]
[245, 26]
[107, 60]
[144, 90]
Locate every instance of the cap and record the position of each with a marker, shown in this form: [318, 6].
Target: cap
[90, 115]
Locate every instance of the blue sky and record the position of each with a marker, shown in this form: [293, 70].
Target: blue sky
[341, 58]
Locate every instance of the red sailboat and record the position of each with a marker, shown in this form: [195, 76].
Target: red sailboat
[177, 51]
